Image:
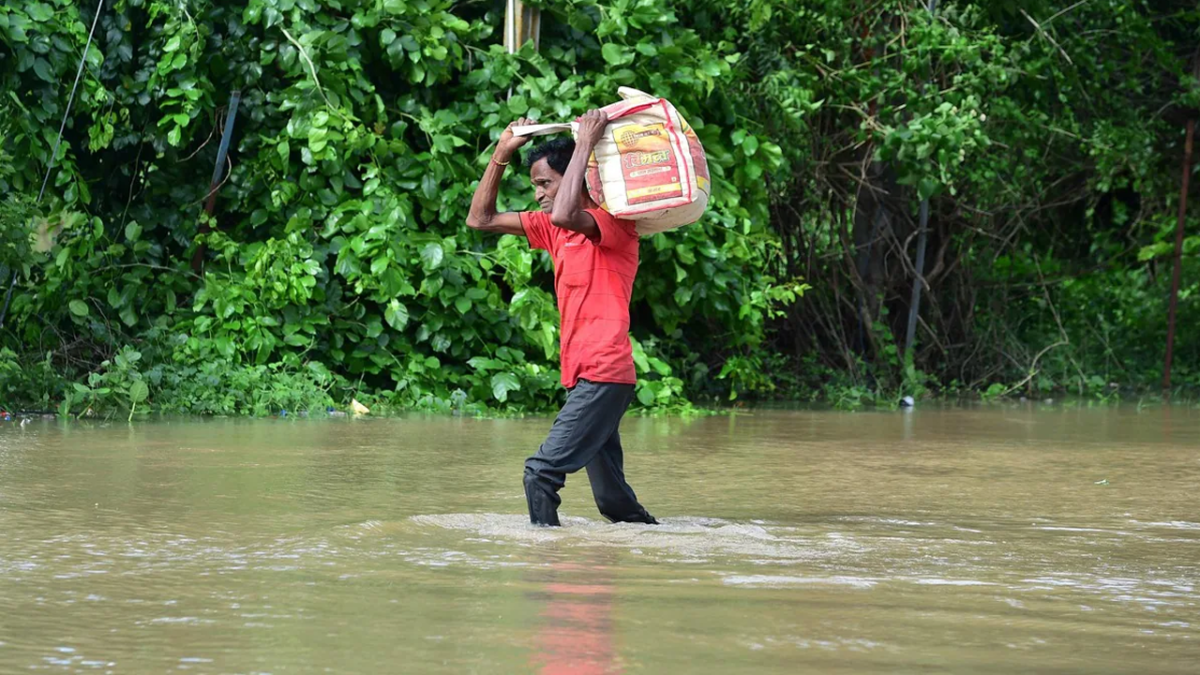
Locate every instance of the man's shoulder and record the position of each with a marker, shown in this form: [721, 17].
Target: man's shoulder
[616, 233]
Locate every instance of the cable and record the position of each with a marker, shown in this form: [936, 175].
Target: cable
[54, 154]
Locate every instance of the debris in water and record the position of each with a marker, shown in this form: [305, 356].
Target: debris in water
[358, 408]
[907, 402]
[1102, 482]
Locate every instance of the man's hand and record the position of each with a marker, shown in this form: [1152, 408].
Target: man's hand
[591, 127]
[509, 143]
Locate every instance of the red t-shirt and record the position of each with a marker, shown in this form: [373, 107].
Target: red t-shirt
[593, 282]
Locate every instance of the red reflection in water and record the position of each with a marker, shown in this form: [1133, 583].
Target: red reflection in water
[576, 632]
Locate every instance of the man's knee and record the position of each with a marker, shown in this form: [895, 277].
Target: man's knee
[537, 474]
[531, 476]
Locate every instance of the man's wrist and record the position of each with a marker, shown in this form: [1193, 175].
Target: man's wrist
[502, 156]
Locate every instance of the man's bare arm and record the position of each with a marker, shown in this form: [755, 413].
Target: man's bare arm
[566, 213]
[483, 215]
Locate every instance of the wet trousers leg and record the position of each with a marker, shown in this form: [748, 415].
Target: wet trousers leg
[585, 435]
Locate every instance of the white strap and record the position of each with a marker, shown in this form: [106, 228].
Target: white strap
[543, 129]
[627, 93]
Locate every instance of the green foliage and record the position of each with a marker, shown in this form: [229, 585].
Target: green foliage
[337, 262]
[338, 240]
[1048, 140]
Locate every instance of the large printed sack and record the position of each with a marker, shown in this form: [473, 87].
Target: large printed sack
[649, 167]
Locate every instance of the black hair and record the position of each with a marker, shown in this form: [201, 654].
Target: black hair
[557, 154]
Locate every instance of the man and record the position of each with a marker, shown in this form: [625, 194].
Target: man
[595, 261]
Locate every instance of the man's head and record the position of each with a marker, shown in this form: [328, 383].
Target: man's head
[547, 163]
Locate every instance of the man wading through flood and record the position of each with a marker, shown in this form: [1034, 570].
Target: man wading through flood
[595, 261]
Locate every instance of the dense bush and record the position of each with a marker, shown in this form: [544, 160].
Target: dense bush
[337, 263]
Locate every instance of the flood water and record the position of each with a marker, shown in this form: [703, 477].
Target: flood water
[957, 541]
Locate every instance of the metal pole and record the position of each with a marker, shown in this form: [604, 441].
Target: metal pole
[58, 141]
[521, 23]
[1183, 195]
[218, 173]
[914, 306]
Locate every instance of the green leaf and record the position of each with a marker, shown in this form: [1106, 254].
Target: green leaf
[172, 44]
[683, 295]
[378, 265]
[133, 230]
[396, 315]
[927, 188]
[462, 304]
[40, 11]
[615, 55]
[502, 383]
[485, 364]
[317, 139]
[42, 69]
[645, 395]
[138, 391]
[773, 152]
[432, 254]
[711, 68]
[128, 316]
[440, 343]
[78, 307]
[647, 49]
[753, 170]
[1153, 251]
[750, 145]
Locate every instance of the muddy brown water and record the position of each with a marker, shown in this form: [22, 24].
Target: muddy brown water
[955, 541]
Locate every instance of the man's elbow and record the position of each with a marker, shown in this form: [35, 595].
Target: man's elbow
[476, 223]
[564, 220]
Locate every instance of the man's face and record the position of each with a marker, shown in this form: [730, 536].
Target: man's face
[545, 183]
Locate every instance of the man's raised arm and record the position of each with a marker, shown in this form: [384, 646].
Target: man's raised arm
[566, 213]
[483, 215]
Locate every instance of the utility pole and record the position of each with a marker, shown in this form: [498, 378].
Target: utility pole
[522, 23]
[1175, 272]
[914, 306]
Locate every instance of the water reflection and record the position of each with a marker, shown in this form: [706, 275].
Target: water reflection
[575, 626]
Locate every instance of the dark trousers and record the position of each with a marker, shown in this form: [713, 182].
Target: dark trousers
[585, 435]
